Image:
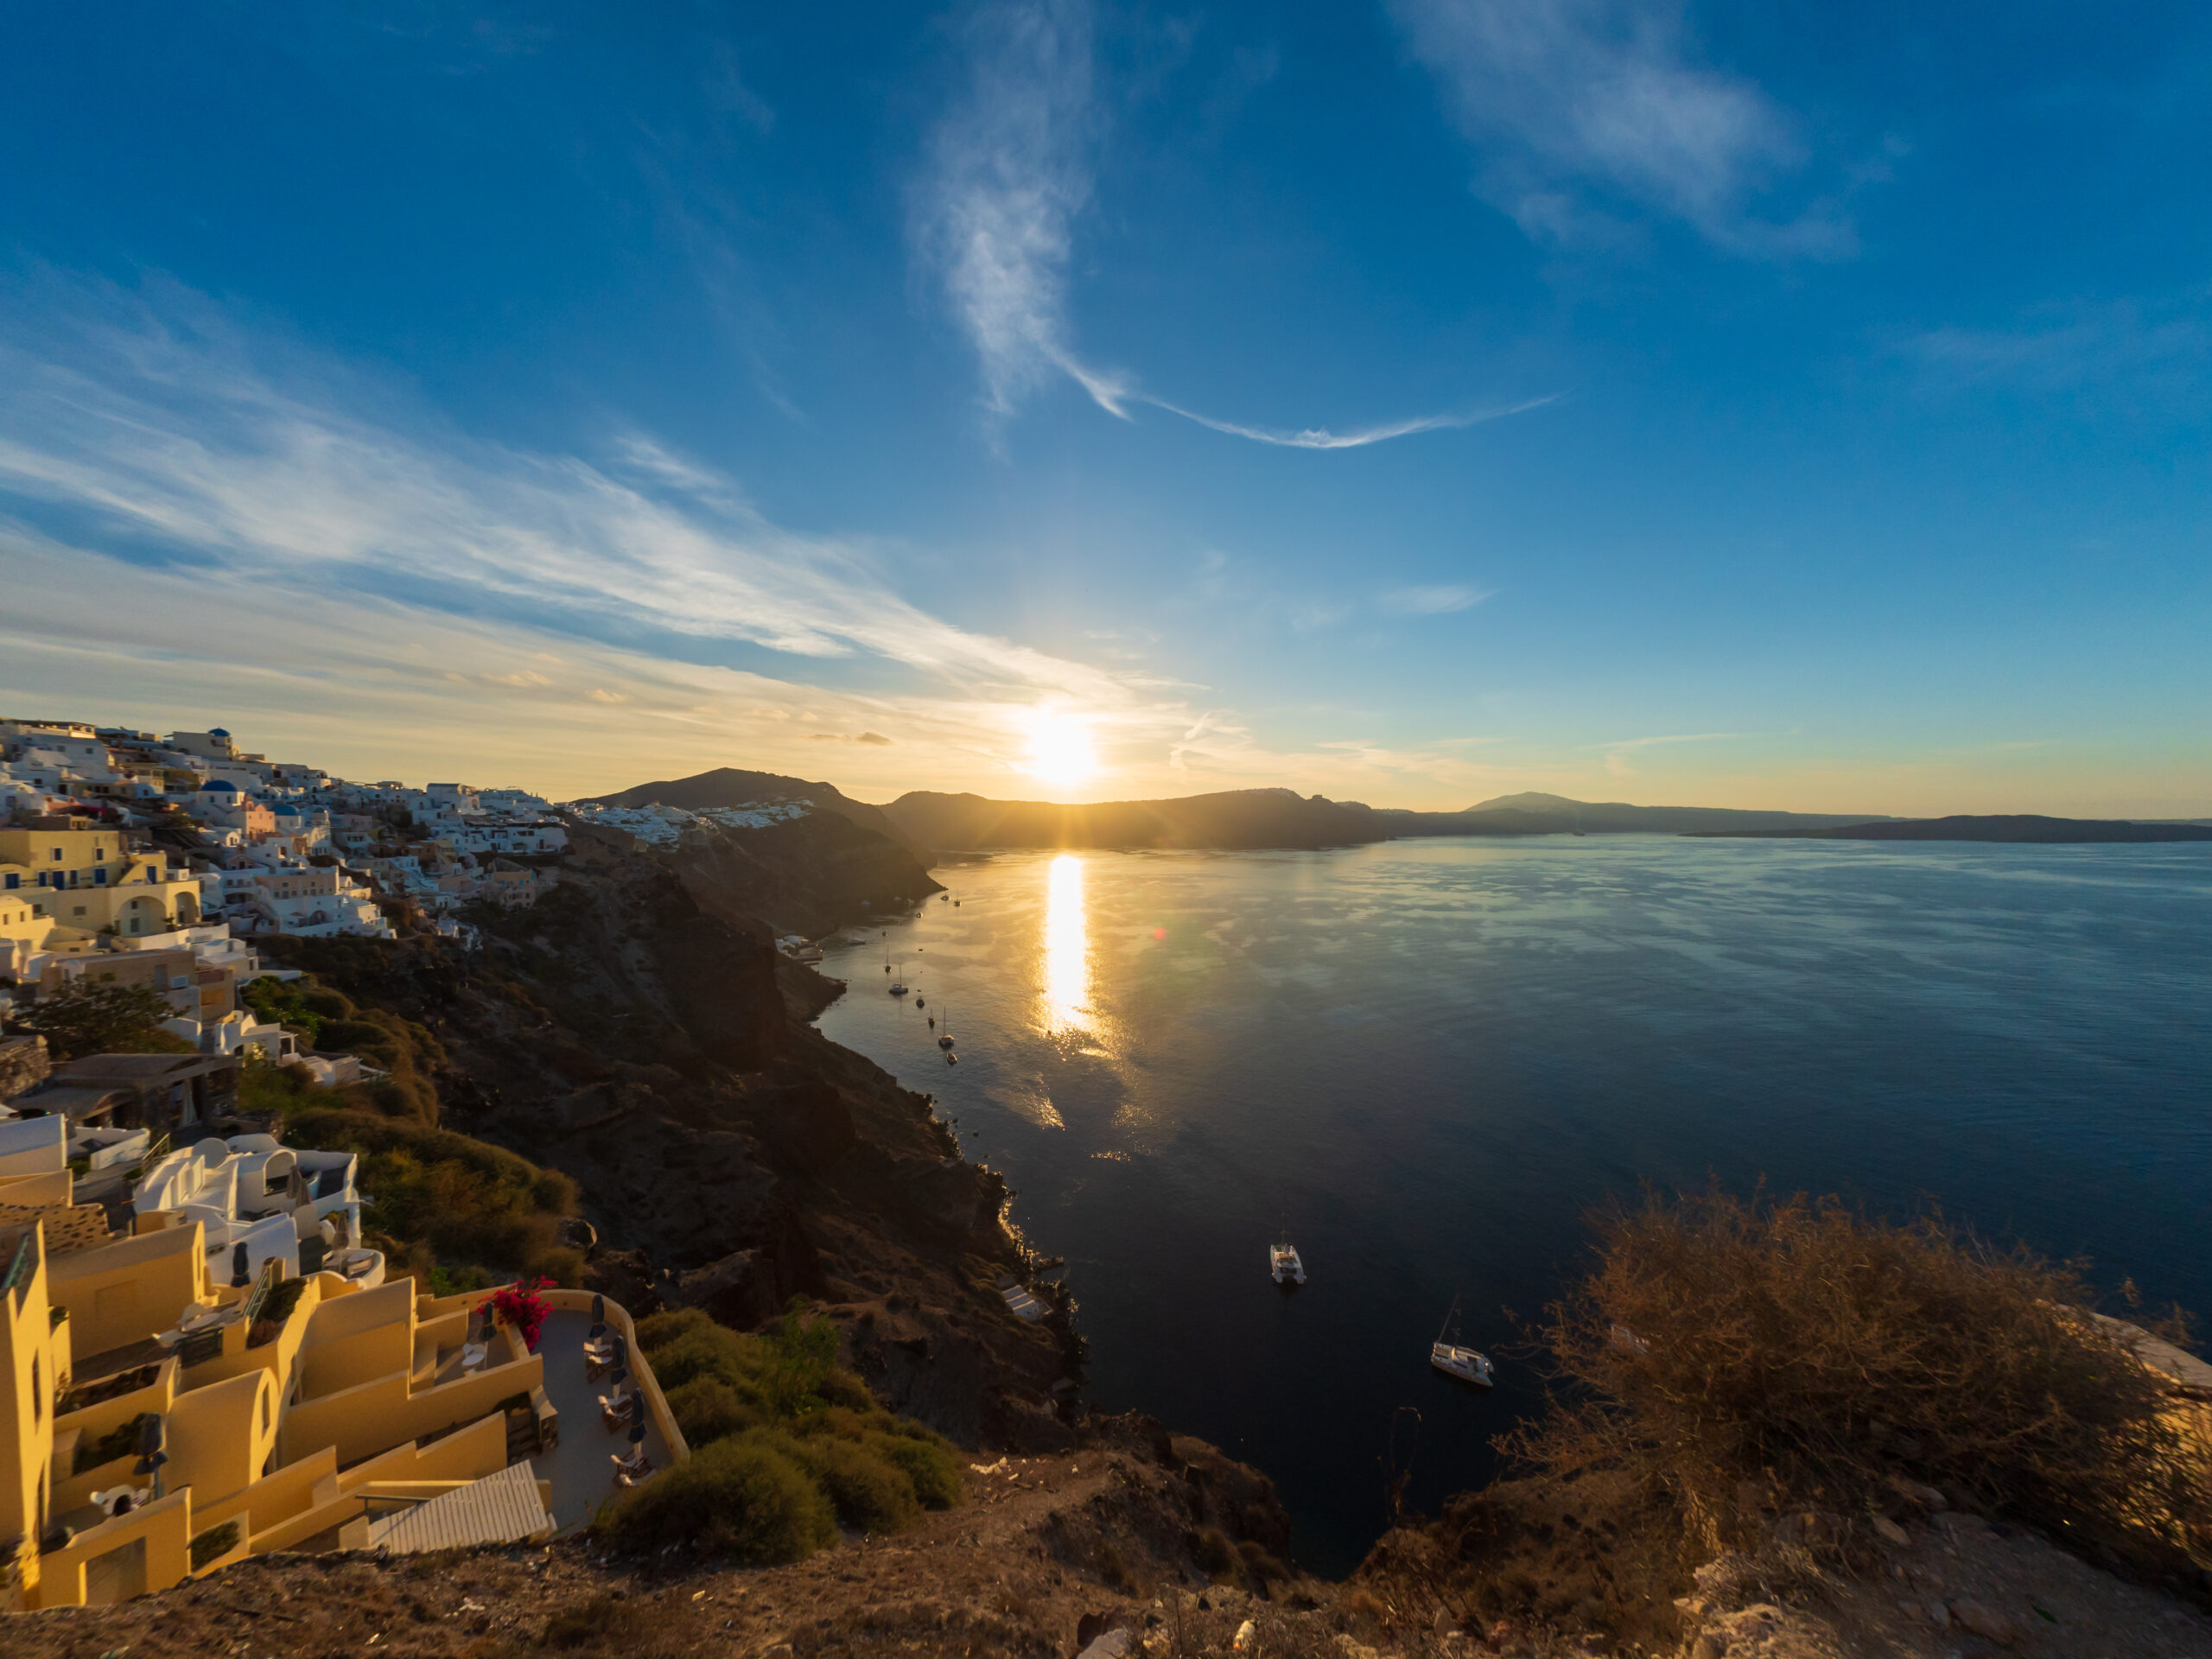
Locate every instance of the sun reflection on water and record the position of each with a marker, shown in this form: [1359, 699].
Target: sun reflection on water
[1067, 951]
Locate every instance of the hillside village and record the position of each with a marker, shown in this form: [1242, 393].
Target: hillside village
[201, 1355]
[159, 860]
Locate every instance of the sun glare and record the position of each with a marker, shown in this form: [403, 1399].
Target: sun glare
[1059, 748]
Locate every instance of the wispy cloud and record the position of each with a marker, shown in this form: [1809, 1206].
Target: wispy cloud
[1320, 437]
[1010, 173]
[1428, 601]
[2153, 350]
[155, 420]
[1587, 108]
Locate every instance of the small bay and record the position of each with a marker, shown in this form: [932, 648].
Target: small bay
[1427, 1060]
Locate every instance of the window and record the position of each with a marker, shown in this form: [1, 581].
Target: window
[57, 855]
[14, 880]
[38, 1405]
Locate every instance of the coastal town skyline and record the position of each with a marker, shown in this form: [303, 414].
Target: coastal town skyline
[1414, 403]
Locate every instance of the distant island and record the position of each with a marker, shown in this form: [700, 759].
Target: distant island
[2018, 826]
[928, 823]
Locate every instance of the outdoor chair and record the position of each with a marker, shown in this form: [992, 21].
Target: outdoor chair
[614, 1410]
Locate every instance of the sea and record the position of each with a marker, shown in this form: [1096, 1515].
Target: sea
[1427, 1063]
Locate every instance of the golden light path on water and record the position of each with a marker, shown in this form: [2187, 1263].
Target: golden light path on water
[1065, 1009]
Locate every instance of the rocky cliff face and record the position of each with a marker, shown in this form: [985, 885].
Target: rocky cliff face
[637, 1031]
[804, 875]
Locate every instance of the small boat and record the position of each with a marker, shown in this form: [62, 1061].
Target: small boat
[1283, 1263]
[920, 1004]
[945, 1041]
[899, 985]
[951, 1059]
[1453, 1357]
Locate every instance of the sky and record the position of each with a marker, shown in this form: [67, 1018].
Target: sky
[1408, 400]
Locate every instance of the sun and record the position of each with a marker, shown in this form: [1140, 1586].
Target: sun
[1059, 748]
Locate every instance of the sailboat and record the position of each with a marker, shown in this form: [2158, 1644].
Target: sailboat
[945, 1041]
[1453, 1357]
[898, 984]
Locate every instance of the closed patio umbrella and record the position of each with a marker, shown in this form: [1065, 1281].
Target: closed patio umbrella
[240, 1278]
[622, 1373]
[637, 1418]
[598, 1317]
[153, 1435]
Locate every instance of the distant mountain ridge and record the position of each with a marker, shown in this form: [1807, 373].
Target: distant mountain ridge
[1233, 818]
[926, 822]
[1533, 813]
[2020, 828]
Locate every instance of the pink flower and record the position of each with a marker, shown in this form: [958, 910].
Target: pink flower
[520, 1306]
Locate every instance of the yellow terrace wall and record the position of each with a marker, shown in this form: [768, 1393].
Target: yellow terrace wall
[52, 1189]
[27, 1378]
[276, 1355]
[376, 1415]
[470, 1454]
[368, 1334]
[220, 1436]
[125, 1292]
[165, 1525]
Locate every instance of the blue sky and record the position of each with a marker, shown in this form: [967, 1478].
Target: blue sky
[1412, 402]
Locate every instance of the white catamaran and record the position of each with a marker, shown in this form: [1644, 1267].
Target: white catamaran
[1453, 1357]
[1283, 1263]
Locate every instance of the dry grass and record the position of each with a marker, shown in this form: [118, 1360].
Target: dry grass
[1738, 1357]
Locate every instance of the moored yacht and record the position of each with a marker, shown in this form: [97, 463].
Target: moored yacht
[1283, 1263]
[1453, 1357]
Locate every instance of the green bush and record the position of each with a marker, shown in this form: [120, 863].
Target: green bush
[95, 1016]
[119, 1442]
[707, 1408]
[445, 1203]
[929, 1464]
[784, 1395]
[871, 1492]
[214, 1543]
[738, 1497]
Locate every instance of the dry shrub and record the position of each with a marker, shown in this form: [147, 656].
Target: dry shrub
[1215, 1554]
[1738, 1356]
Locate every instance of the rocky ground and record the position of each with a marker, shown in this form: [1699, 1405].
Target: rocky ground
[1954, 1588]
[1136, 1531]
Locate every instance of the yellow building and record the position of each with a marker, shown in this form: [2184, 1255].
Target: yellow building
[86, 881]
[155, 1422]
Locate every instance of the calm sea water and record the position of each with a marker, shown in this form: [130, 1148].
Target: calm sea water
[1429, 1059]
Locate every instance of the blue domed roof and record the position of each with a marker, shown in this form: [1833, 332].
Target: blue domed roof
[215, 784]
[218, 732]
